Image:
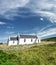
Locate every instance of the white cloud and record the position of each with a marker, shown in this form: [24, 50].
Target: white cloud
[48, 30]
[3, 38]
[2, 23]
[47, 27]
[10, 27]
[41, 19]
[11, 4]
[9, 33]
[44, 8]
[51, 31]
[49, 15]
[7, 6]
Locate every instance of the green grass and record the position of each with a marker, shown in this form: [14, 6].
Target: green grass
[37, 55]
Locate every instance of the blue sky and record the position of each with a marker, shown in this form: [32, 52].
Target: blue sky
[27, 17]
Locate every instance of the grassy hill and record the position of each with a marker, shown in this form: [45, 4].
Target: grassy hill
[36, 55]
[50, 39]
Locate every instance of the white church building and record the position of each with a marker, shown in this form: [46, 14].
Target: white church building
[23, 39]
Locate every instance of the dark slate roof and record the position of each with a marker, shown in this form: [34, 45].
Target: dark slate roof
[28, 36]
[23, 36]
[13, 38]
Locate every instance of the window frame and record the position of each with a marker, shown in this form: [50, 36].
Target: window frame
[24, 40]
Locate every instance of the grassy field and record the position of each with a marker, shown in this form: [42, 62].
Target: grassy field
[36, 55]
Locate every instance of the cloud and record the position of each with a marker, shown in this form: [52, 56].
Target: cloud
[47, 31]
[9, 33]
[50, 31]
[45, 28]
[3, 38]
[49, 15]
[44, 8]
[10, 27]
[2, 23]
[7, 6]
[11, 4]
[41, 19]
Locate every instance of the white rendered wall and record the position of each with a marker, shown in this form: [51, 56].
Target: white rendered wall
[21, 41]
[28, 41]
[38, 41]
[12, 43]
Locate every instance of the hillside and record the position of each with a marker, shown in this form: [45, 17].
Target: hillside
[36, 55]
[50, 39]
